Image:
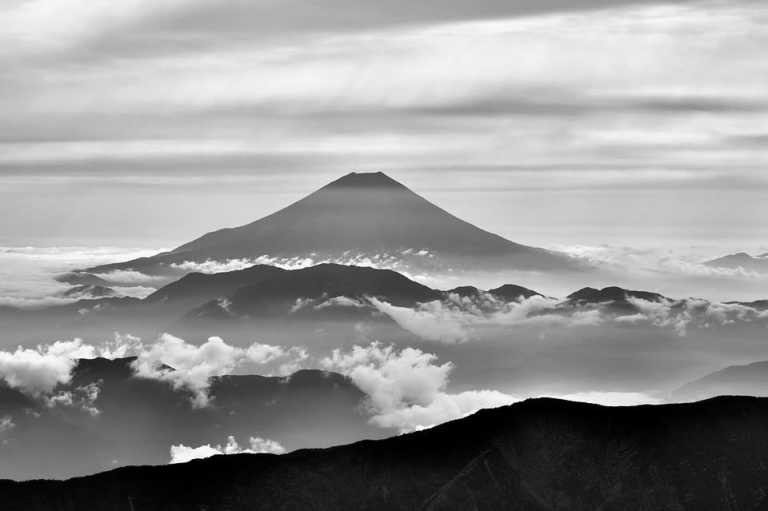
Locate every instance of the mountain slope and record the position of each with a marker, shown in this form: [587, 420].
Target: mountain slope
[541, 454]
[613, 299]
[138, 419]
[284, 291]
[741, 260]
[194, 289]
[360, 213]
[745, 380]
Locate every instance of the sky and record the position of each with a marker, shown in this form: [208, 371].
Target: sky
[583, 122]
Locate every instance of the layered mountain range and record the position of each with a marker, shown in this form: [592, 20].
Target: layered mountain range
[107, 415]
[334, 291]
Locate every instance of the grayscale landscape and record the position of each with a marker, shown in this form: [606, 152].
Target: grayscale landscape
[383, 255]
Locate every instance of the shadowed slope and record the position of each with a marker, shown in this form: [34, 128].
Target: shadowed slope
[541, 454]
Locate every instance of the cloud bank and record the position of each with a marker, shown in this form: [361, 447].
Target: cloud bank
[181, 453]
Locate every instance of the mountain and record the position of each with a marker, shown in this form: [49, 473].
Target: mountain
[368, 214]
[760, 305]
[738, 380]
[537, 455]
[194, 289]
[88, 290]
[513, 293]
[82, 279]
[106, 417]
[285, 291]
[612, 298]
[741, 260]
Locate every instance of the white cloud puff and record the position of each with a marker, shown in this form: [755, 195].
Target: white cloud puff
[191, 366]
[432, 320]
[182, 453]
[188, 366]
[35, 371]
[6, 423]
[406, 389]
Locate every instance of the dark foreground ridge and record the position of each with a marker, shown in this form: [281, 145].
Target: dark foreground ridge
[541, 454]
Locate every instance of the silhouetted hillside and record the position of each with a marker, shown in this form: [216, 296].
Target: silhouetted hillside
[537, 455]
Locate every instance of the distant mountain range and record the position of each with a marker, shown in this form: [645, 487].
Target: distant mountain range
[738, 380]
[135, 420]
[321, 291]
[537, 455]
[367, 214]
[334, 291]
[741, 260]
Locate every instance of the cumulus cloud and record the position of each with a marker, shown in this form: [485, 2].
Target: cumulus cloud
[182, 453]
[6, 423]
[430, 320]
[406, 389]
[121, 345]
[39, 370]
[191, 367]
[83, 397]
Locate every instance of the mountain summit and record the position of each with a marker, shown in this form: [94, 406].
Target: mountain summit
[366, 214]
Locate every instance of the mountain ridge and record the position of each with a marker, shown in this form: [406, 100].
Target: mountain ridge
[530, 456]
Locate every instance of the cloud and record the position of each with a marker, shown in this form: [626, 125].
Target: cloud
[612, 398]
[121, 346]
[131, 278]
[83, 397]
[28, 273]
[6, 423]
[40, 371]
[397, 260]
[432, 320]
[182, 454]
[406, 389]
[458, 319]
[191, 367]
[36, 371]
[682, 314]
